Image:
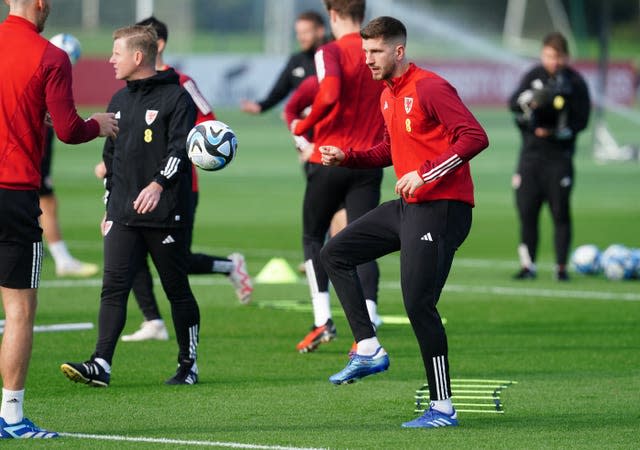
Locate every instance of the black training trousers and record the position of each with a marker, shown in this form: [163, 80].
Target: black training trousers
[199, 263]
[545, 180]
[125, 248]
[427, 235]
[328, 189]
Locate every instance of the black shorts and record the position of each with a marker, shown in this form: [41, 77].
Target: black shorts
[46, 183]
[20, 239]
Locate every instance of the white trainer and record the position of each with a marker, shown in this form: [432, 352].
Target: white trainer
[240, 278]
[75, 268]
[149, 330]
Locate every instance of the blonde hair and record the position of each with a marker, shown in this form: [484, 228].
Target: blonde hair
[142, 38]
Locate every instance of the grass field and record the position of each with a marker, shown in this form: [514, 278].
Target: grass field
[573, 348]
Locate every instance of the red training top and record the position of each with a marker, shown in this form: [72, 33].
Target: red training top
[301, 99]
[36, 79]
[345, 111]
[428, 129]
[203, 112]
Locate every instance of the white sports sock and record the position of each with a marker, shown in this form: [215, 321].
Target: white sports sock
[444, 406]
[321, 308]
[11, 410]
[525, 258]
[103, 363]
[369, 346]
[372, 309]
[60, 253]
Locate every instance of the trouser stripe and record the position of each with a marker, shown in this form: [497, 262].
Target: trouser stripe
[439, 370]
[193, 341]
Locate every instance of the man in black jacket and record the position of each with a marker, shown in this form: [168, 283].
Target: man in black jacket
[147, 184]
[310, 33]
[551, 107]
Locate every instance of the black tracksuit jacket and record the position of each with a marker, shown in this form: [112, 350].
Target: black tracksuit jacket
[154, 116]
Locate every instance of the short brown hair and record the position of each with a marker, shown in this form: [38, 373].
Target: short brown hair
[353, 9]
[142, 38]
[385, 27]
[313, 17]
[556, 41]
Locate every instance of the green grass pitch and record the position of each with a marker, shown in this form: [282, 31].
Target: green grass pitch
[574, 348]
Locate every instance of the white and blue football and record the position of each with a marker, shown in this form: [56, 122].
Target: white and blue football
[617, 262]
[69, 43]
[585, 259]
[211, 145]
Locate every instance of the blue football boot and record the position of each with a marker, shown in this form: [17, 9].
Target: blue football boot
[25, 429]
[432, 418]
[360, 366]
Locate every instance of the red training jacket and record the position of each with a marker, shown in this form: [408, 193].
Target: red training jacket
[345, 111]
[36, 78]
[428, 129]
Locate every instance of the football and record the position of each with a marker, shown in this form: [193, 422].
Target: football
[69, 44]
[586, 259]
[617, 262]
[211, 145]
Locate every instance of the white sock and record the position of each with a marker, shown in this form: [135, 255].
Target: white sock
[444, 406]
[525, 258]
[60, 253]
[11, 410]
[369, 346]
[321, 308]
[103, 363]
[372, 309]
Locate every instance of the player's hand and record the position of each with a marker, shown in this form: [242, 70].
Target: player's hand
[543, 132]
[294, 124]
[331, 156]
[100, 170]
[408, 184]
[304, 153]
[250, 107]
[48, 121]
[108, 124]
[148, 198]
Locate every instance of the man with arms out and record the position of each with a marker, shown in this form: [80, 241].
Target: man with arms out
[148, 185]
[310, 33]
[552, 106]
[345, 114]
[234, 266]
[37, 79]
[429, 138]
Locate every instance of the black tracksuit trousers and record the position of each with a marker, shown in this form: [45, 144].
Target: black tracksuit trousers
[125, 248]
[427, 235]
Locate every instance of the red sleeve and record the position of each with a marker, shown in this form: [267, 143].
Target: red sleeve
[69, 126]
[440, 100]
[301, 98]
[377, 156]
[329, 75]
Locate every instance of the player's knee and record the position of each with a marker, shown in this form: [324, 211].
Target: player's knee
[328, 256]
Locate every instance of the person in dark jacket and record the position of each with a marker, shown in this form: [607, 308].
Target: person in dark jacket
[551, 106]
[310, 33]
[148, 185]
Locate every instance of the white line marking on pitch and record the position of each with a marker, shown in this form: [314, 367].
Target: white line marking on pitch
[487, 290]
[182, 442]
